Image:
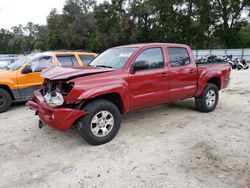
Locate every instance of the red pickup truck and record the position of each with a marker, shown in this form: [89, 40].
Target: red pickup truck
[123, 79]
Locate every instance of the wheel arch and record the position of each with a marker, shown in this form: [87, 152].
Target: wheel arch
[6, 87]
[216, 81]
[113, 97]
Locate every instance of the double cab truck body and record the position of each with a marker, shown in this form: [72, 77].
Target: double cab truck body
[123, 79]
[20, 79]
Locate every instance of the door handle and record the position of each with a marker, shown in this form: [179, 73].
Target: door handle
[191, 71]
[164, 75]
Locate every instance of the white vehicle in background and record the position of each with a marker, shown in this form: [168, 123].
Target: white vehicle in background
[7, 60]
[241, 64]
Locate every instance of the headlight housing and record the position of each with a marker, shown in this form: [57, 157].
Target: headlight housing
[54, 99]
[54, 91]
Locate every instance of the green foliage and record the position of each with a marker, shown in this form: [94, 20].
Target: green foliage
[229, 22]
[84, 24]
[245, 37]
[5, 37]
[39, 45]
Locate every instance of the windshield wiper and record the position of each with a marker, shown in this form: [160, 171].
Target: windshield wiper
[104, 66]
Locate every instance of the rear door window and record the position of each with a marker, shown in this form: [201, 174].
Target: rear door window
[86, 59]
[46, 62]
[178, 57]
[67, 60]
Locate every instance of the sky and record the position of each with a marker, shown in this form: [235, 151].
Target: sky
[14, 12]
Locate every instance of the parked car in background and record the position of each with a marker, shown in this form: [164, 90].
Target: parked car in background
[21, 78]
[123, 79]
[5, 61]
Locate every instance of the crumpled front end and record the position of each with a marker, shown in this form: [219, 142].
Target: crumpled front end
[51, 107]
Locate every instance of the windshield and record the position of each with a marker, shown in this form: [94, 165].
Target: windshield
[16, 64]
[4, 63]
[114, 58]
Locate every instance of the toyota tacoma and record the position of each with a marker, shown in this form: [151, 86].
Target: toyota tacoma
[123, 79]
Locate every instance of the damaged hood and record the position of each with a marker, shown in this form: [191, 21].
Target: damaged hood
[61, 73]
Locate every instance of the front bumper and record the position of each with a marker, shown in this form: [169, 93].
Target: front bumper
[59, 118]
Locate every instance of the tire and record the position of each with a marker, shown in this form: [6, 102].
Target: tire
[5, 100]
[203, 104]
[100, 111]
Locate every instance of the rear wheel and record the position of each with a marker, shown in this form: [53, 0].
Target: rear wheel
[208, 100]
[5, 100]
[101, 124]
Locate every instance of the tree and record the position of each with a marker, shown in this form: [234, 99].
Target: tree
[55, 31]
[5, 37]
[72, 28]
[84, 24]
[229, 20]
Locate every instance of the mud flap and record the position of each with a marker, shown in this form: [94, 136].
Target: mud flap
[41, 124]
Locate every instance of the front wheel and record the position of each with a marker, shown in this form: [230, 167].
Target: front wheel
[208, 100]
[5, 100]
[101, 124]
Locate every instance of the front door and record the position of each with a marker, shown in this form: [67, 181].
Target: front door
[29, 78]
[149, 85]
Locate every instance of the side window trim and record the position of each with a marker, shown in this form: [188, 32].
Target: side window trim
[163, 58]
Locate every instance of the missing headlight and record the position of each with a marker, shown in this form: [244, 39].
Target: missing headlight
[66, 87]
[61, 86]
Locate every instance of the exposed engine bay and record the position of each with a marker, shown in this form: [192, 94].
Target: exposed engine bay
[54, 91]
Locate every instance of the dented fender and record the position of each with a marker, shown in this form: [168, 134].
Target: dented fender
[119, 89]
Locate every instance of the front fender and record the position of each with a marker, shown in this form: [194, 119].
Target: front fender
[119, 89]
[9, 83]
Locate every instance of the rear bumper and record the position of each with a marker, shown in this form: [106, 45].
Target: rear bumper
[59, 118]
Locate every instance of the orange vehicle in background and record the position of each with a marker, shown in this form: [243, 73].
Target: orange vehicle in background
[20, 79]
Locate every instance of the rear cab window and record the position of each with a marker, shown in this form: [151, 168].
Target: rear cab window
[67, 60]
[178, 56]
[86, 59]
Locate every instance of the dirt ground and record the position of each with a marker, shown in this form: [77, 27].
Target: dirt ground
[171, 145]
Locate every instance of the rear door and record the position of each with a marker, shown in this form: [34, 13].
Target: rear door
[183, 73]
[149, 86]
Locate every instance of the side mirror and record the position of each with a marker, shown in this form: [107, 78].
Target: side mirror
[27, 69]
[139, 65]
